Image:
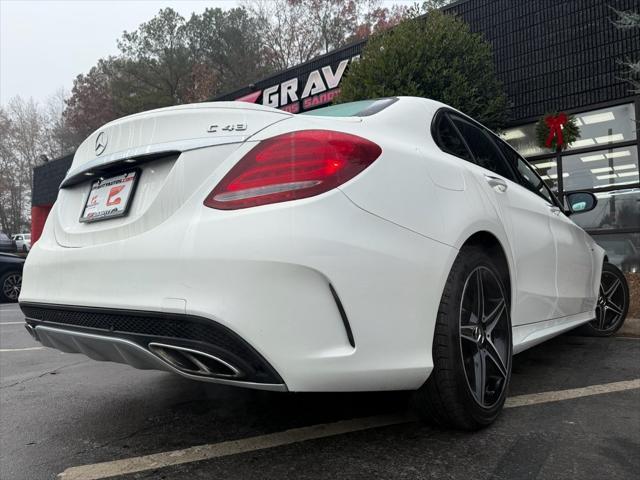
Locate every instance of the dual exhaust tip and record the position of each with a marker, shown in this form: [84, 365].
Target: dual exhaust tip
[186, 360]
[194, 362]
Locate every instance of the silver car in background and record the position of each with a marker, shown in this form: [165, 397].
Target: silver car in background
[23, 241]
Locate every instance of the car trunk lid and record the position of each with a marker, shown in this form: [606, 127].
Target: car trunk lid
[155, 145]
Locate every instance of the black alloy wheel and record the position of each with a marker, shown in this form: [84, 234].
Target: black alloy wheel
[613, 303]
[472, 345]
[484, 332]
[10, 285]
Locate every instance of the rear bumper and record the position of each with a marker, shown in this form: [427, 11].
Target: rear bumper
[290, 280]
[124, 336]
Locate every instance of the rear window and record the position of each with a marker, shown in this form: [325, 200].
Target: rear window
[4, 236]
[362, 108]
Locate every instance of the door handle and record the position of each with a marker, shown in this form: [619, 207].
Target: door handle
[496, 183]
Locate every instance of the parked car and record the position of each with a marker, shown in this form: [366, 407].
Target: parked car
[390, 244]
[7, 244]
[23, 241]
[10, 277]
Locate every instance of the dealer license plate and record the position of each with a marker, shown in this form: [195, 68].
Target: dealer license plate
[110, 197]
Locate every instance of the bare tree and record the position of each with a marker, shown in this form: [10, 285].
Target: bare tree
[9, 178]
[27, 132]
[295, 31]
[630, 21]
[287, 37]
[60, 139]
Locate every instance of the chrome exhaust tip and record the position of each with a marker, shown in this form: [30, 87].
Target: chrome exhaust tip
[194, 362]
[32, 332]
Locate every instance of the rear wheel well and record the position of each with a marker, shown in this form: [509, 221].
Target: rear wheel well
[492, 246]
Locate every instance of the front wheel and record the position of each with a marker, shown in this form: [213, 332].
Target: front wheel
[472, 347]
[612, 306]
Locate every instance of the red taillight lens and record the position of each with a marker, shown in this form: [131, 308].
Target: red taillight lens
[292, 166]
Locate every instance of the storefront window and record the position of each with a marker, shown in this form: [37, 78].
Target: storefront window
[623, 250]
[602, 169]
[617, 209]
[523, 139]
[548, 171]
[605, 126]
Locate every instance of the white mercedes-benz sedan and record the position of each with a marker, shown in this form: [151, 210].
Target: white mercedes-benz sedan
[389, 244]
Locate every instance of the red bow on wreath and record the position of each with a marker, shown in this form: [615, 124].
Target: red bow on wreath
[555, 125]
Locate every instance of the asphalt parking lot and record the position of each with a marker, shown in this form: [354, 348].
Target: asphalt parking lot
[574, 412]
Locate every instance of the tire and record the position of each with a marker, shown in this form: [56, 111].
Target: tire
[451, 397]
[10, 284]
[25, 249]
[612, 306]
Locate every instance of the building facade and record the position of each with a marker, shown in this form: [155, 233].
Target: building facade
[46, 180]
[550, 56]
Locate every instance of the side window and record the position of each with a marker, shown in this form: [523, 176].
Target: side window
[485, 151]
[449, 140]
[528, 177]
[18, 237]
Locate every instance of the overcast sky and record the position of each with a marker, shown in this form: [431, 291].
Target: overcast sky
[45, 44]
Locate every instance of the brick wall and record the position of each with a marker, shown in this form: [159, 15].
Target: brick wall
[554, 54]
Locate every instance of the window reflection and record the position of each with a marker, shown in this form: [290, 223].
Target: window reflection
[548, 171]
[616, 209]
[623, 250]
[597, 127]
[523, 140]
[605, 126]
[607, 168]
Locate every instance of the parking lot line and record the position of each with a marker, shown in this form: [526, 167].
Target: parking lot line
[557, 396]
[206, 452]
[6, 350]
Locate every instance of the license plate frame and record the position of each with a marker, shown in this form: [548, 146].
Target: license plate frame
[104, 192]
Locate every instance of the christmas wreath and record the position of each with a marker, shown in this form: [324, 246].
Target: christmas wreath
[557, 131]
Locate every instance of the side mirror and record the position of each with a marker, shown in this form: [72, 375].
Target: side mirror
[580, 202]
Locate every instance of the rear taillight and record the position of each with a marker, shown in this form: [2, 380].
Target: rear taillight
[292, 166]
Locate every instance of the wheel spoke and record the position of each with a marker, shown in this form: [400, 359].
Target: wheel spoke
[494, 317]
[480, 374]
[479, 296]
[614, 308]
[494, 356]
[612, 288]
[602, 317]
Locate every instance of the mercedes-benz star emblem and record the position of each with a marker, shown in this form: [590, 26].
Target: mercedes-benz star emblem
[101, 143]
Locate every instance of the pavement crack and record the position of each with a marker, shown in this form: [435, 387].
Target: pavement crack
[121, 438]
[48, 372]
